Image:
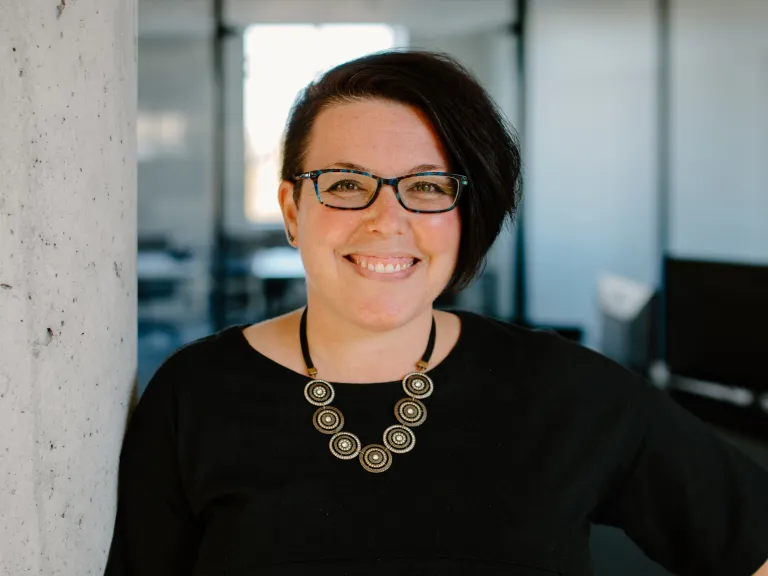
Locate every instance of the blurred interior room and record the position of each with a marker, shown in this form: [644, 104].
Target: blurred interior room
[644, 228]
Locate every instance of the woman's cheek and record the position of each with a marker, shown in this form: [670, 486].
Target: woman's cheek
[440, 234]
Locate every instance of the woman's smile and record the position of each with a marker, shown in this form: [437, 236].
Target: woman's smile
[378, 268]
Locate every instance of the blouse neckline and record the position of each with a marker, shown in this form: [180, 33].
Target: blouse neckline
[437, 372]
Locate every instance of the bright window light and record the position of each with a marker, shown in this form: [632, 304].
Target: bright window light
[279, 61]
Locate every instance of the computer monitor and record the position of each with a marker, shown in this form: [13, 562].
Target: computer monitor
[627, 315]
[716, 322]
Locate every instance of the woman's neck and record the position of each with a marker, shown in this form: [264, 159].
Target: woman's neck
[345, 351]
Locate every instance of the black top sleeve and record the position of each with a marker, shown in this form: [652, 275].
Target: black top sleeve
[693, 502]
[155, 529]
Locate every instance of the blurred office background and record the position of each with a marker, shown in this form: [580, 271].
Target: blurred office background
[644, 231]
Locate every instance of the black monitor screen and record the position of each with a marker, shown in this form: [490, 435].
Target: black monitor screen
[716, 322]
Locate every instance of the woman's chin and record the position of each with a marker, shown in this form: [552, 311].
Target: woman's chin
[382, 313]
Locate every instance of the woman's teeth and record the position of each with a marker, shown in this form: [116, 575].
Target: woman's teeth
[380, 267]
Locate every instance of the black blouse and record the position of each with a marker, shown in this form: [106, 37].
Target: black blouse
[529, 439]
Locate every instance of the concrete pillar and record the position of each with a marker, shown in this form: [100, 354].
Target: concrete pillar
[67, 277]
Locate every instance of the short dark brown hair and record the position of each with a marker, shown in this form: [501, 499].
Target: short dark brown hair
[478, 140]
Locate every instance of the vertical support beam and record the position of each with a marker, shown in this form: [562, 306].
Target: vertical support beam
[663, 148]
[520, 263]
[67, 277]
[219, 255]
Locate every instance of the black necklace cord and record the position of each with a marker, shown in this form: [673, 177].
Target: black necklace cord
[312, 371]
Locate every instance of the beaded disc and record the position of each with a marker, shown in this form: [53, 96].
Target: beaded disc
[344, 445]
[319, 392]
[328, 419]
[410, 412]
[399, 439]
[375, 458]
[418, 385]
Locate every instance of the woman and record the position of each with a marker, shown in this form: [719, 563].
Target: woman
[290, 446]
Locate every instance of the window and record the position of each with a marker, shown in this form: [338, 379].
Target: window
[279, 61]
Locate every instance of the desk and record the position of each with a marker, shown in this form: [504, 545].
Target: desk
[730, 407]
[151, 266]
[258, 283]
[277, 264]
[166, 286]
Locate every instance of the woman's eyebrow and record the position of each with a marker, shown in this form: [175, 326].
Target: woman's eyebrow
[425, 168]
[350, 166]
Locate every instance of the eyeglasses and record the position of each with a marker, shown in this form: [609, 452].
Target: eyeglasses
[425, 192]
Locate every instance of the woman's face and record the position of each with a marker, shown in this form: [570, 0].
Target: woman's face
[387, 139]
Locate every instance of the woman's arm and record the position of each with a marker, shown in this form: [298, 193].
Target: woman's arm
[692, 501]
[156, 532]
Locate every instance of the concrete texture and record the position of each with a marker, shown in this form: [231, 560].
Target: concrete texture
[67, 277]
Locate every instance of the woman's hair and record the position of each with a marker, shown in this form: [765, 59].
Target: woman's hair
[479, 142]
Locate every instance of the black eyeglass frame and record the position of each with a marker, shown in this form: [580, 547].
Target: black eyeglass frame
[394, 182]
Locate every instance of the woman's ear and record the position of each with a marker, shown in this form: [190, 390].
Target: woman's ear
[290, 211]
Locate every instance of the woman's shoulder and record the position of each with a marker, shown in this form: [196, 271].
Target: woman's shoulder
[546, 358]
[199, 362]
[212, 348]
[225, 358]
[489, 332]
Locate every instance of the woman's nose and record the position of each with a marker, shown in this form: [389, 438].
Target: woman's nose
[386, 214]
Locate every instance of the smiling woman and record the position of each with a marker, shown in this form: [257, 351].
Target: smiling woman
[388, 138]
[289, 447]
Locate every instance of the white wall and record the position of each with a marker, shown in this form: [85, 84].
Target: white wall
[591, 167]
[176, 180]
[176, 152]
[720, 130]
[175, 18]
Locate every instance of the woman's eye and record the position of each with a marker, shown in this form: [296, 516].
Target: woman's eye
[345, 186]
[425, 187]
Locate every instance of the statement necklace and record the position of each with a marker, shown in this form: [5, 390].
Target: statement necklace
[409, 411]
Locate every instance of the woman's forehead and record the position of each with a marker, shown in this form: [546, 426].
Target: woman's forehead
[376, 134]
